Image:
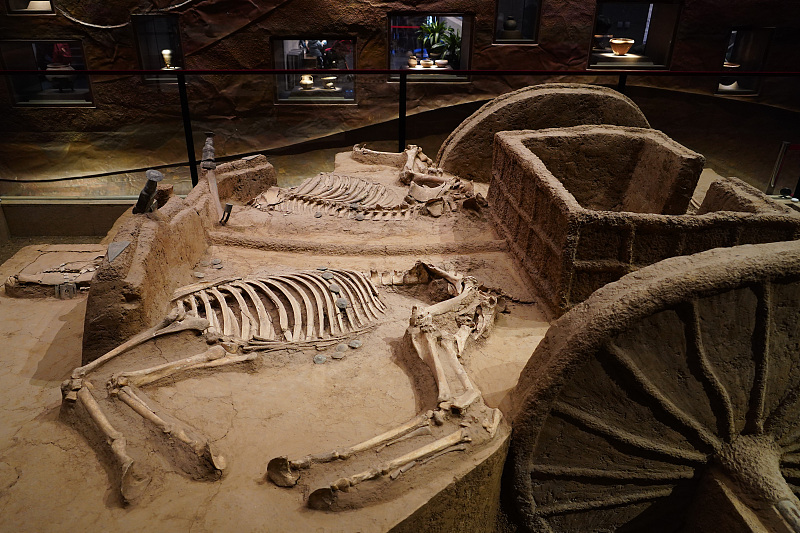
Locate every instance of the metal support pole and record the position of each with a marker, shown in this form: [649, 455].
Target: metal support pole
[623, 78]
[187, 127]
[401, 116]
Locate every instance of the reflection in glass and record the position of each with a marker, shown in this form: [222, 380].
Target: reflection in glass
[314, 52]
[54, 84]
[746, 50]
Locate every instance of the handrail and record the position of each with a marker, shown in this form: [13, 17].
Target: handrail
[402, 76]
[585, 72]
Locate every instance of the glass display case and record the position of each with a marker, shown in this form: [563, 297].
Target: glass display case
[633, 34]
[747, 50]
[517, 21]
[158, 44]
[315, 52]
[430, 45]
[29, 7]
[52, 81]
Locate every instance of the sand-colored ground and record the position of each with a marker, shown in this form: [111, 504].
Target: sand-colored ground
[55, 476]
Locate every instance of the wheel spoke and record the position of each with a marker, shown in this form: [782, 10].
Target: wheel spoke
[560, 471]
[695, 342]
[680, 416]
[602, 427]
[601, 503]
[756, 414]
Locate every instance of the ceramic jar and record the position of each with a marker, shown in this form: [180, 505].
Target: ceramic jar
[306, 81]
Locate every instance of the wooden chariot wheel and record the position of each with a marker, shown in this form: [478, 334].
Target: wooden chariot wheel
[668, 401]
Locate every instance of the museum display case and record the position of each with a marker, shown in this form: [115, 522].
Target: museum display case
[315, 52]
[29, 7]
[53, 83]
[633, 34]
[430, 46]
[517, 21]
[158, 45]
[747, 50]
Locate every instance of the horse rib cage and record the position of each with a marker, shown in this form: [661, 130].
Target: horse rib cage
[289, 307]
[340, 196]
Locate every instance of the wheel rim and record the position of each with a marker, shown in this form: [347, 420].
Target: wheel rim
[668, 402]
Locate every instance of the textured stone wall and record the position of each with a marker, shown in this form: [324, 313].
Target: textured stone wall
[570, 251]
[134, 124]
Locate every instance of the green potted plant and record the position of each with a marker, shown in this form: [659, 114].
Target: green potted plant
[452, 47]
[431, 34]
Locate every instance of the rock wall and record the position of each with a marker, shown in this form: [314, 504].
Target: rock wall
[133, 292]
[134, 120]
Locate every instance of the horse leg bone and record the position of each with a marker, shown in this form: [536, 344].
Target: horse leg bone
[426, 430]
[147, 376]
[451, 304]
[456, 281]
[284, 472]
[132, 483]
[173, 323]
[204, 463]
[424, 342]
[325, 497]
[450, 357]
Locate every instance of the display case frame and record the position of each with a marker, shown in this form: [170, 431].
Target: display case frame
[33, 7]
[51, 83]
[501, 35]
[433, 73]
[336, 52]
[652, 26]
[154, 34]
[746, 51]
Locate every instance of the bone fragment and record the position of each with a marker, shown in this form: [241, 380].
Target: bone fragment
[455, 280]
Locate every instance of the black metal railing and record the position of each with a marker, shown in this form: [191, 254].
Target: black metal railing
[622, 76]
